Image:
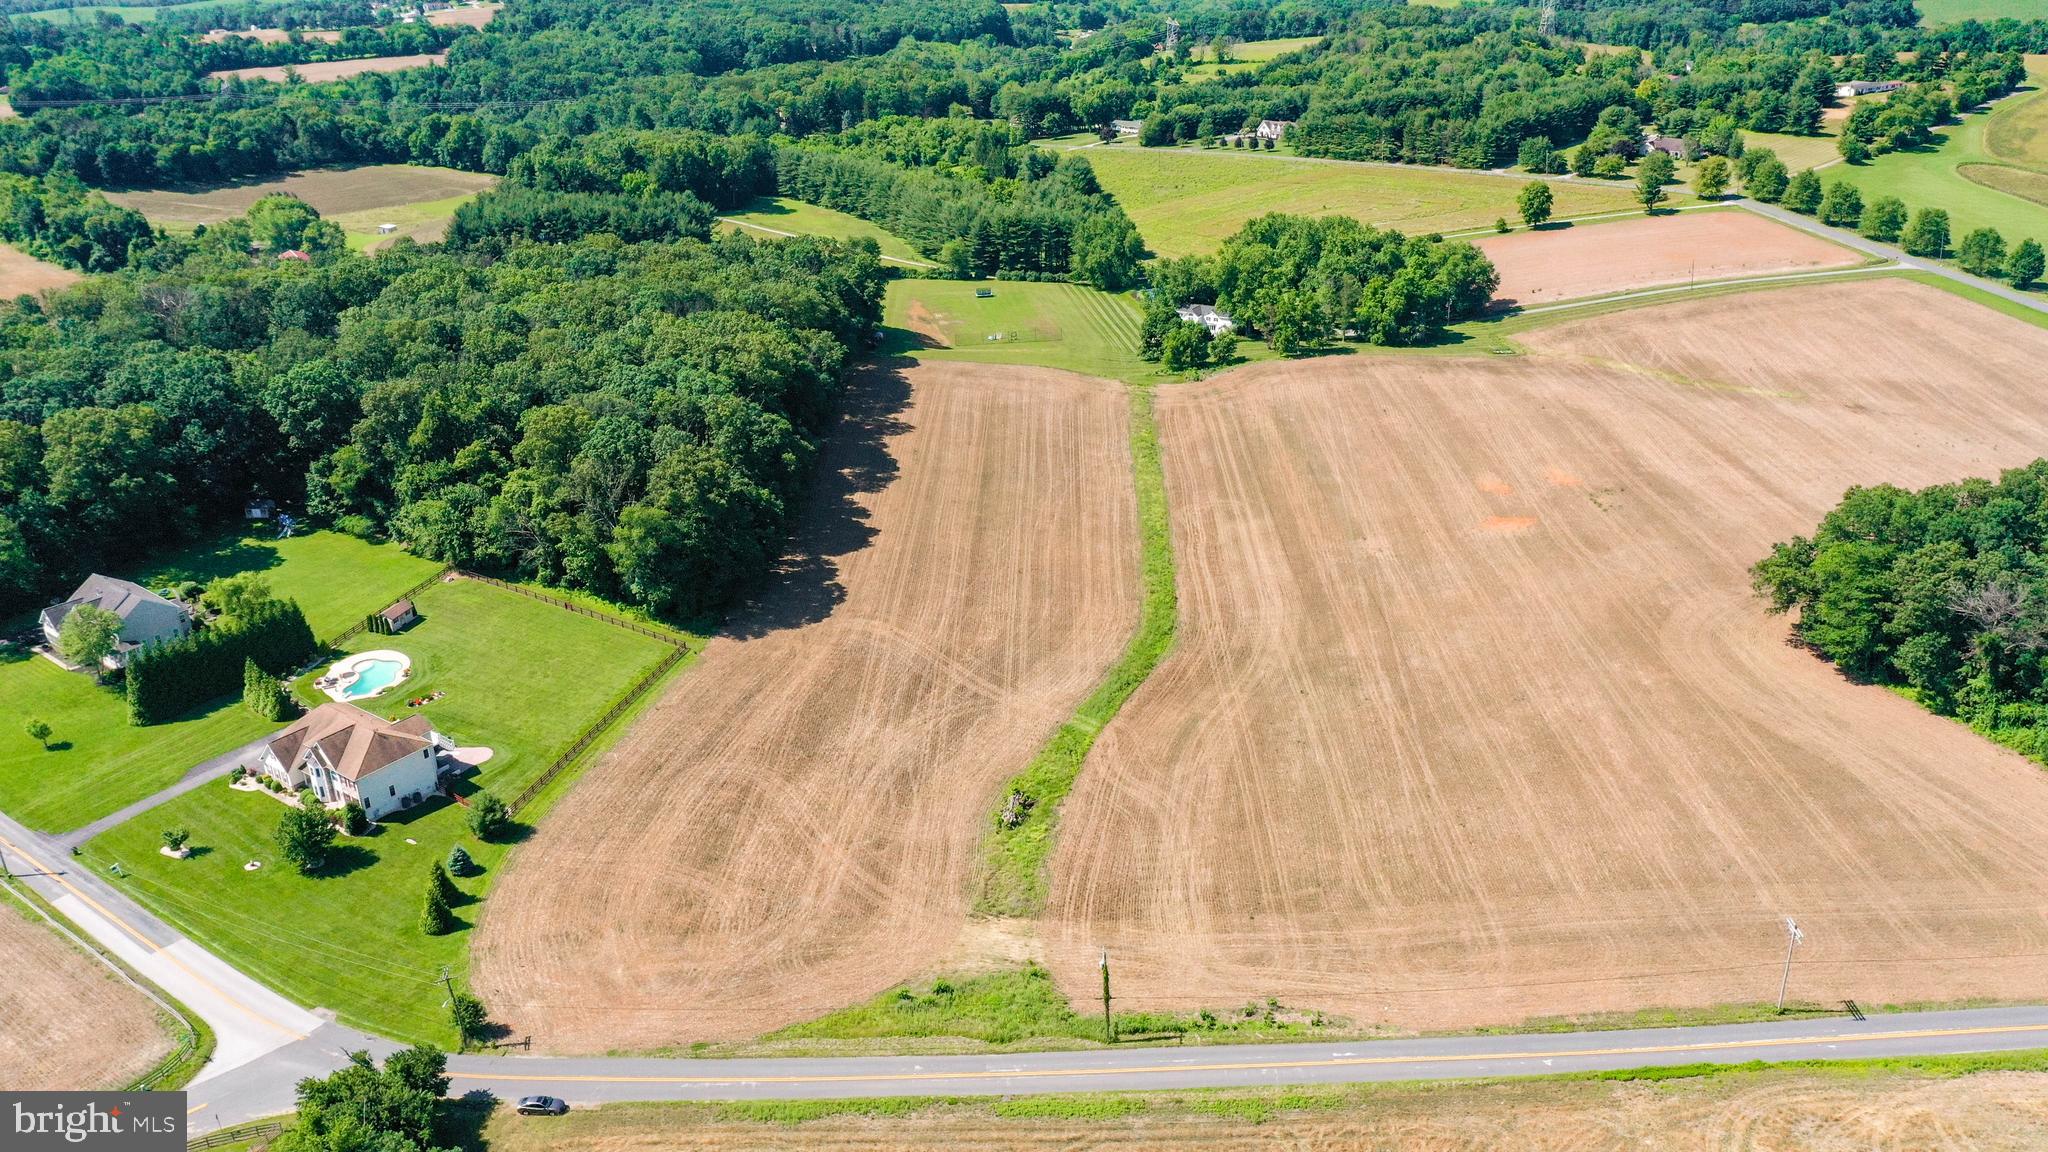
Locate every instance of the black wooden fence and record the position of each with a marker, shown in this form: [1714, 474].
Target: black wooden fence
[240, 1133]
[597, 728]
[356, 629]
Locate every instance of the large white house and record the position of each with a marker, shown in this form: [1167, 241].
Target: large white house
[1208, 317]
[145, 616]
[343, 753]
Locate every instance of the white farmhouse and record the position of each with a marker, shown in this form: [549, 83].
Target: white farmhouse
[1127, 127]
[1216, 322]
[1274, 130]
[343, 753]
[145, 616]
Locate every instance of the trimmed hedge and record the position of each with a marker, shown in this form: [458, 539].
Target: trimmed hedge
[169, 679]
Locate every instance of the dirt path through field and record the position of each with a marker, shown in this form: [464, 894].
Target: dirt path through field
[1555, 264]
[66, 1022]
[1472, 716]
[791, 829]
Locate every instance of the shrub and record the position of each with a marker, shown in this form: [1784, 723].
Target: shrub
[488, 816]
[459, 862]
[303, 837]
[361, 527]
[174, 838]
[39, 732]
[354, 820]
[1610, 166]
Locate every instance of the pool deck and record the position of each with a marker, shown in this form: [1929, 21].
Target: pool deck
[345, 671]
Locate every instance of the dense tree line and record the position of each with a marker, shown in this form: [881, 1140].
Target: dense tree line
[1051, 218]
[1303, 282]
[145, 60]
[1943, 591]
[631, 419]
[171, 677]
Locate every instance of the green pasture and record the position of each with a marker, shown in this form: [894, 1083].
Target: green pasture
[768, 217]
[1934, 12]
[1187, 200]
[1049, 325]
[133, 14]
[423, 220]
[521, 677]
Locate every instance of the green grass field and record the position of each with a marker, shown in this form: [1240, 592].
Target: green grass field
[523, 678]
[422, 220]
[768, 216]
[129, 13]
[1244, 57]
[1798, 152]
[1051, 325]
[1933, 12]
[336, 578]
[1186, 201]
[98, 762]
[1990, 170]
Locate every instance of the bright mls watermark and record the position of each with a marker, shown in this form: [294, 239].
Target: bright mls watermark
[109, 1121]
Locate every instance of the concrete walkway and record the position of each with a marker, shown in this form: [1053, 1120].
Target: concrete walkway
[1894, 253]
[212, 769]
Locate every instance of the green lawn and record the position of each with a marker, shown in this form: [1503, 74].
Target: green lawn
[336, 578]
[1187, 200]
[98, 762]
[768, 216]
[523, 678]
[1052, 325]
[1244, 57]
[1934, 12]
[1977, 171]
[1798, 152]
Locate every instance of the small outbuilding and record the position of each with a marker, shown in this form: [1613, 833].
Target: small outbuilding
[396, 618]
[1127, 127]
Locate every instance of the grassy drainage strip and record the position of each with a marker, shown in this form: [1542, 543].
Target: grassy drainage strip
[1011, 877]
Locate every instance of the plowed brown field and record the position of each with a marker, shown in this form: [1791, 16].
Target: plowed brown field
[1620, 256]
[791, 829]
[1473, 716]
[66, 1023]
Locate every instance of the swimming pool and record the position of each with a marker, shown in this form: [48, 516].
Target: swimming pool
[365, 674]
[372, 677]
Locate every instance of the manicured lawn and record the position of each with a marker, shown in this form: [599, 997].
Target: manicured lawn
[1798, 152]
[336, 578]
[133, 15]
[422, 220]
[768, 216]
[1187, 200]
[523, 678]
[98, 762]
[1941, 176]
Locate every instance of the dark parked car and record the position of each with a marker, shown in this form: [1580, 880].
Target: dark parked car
[542, 1106]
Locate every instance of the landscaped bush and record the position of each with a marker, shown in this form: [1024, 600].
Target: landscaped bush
[361, 527]
[459, 862]
[304, 836]
[168, 679]
[488, 816]
[354, 820]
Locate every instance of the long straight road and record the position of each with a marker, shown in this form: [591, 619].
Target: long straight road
[1848, 239]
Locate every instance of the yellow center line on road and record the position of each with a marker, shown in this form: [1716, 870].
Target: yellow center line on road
[155, 948]
[194, 1108]
[1258, 1066]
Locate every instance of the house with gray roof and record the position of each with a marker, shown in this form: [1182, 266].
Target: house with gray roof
[145, 616]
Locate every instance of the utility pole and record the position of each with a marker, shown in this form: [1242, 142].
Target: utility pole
[1108, 1024]
[1793, 937]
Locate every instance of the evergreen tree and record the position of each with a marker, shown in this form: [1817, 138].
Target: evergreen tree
[435, 918]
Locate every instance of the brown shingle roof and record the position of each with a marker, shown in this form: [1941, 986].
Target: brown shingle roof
[355, 742]
[398, 611]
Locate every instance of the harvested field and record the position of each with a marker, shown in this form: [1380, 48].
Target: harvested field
[274, 35]
[66, 1022]
[420, 200]
[473, 17]
[332, 69]
[792, 828]
[22, 273]
[1472, 716]
[1594, 260]
[1777, 1110]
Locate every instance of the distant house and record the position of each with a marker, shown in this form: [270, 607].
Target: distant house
[386, 229]
[259, 509]
[145, 616]
[294, 254]
[1672, 146]
[397, 618]
[1127, 127]
[1856, 88]
[344, 753]
[1216, 322]
[1273, 130]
